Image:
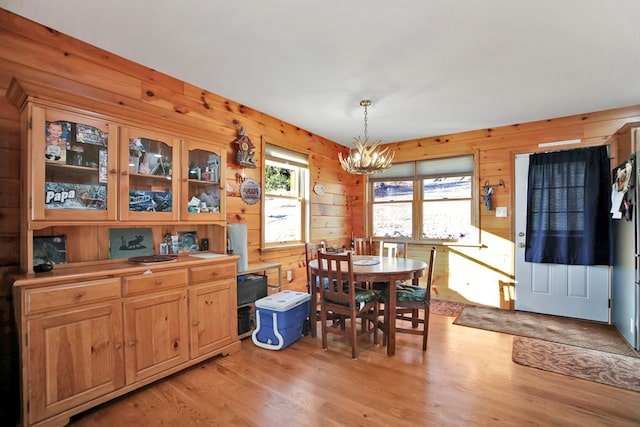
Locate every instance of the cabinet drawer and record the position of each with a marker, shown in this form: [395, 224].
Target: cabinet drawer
[212, 272]
[151, 282]
[72, 294]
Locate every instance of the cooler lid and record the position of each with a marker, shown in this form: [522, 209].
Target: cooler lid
[283, 301]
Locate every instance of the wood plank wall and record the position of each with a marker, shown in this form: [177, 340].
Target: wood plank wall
[34, 52]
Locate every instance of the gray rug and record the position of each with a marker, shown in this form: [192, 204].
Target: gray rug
[580, 333]
[592, 365]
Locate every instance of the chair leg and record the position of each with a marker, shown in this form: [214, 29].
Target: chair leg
[425, 332]
[387, 318]
[323, 324]
[354, 336]
[376, 315]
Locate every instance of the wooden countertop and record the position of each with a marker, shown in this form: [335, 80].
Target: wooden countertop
[111, 268]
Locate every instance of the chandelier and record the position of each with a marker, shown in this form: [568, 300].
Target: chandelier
[366, 159]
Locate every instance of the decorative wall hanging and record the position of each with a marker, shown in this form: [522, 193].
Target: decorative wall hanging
[488, 192]
[250, 191]
[245, 155]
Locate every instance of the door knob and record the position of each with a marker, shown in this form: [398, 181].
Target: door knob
[521, 245]
[521, 234]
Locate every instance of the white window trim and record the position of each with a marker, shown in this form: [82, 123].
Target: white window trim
[286, 156]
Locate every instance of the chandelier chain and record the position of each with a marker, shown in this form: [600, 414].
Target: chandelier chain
[366, 133]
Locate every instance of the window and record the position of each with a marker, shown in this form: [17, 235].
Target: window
[285, 192]
[424, 200]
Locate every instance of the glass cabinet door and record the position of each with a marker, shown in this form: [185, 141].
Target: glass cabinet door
[203, 193]
[148, 161]
[73, 166]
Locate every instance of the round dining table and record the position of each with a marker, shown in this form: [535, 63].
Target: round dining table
[374, 268]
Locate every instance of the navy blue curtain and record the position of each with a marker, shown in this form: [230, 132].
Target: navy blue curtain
[568, 203]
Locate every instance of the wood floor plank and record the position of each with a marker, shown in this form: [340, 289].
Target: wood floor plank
[466, 378]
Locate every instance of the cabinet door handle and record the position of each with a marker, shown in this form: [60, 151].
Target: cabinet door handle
[158, 282]
[132, 343]
[118, 346]
[79, 295]
[196, 323]
[125, 173]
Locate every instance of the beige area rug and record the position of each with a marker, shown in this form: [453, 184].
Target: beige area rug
[592, 365]
[580, 333]
[445, 308]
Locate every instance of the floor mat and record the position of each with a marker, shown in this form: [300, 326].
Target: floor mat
[445, 308]
[593, 365]
[581, 333]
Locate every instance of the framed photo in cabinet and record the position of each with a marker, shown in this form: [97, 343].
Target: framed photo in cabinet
[150, 201]
[49, 250]
[130, 242]
[56, 141]
[62, 195]
[188, 241]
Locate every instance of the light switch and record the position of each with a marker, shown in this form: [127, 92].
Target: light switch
[501, 211]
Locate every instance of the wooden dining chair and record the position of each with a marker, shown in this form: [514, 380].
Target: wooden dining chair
[345, 301]
[311, 253]
[363, 245]
[394, 249]
[391, 250]
[413, 299]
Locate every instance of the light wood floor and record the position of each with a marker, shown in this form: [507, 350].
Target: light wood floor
[466, 378]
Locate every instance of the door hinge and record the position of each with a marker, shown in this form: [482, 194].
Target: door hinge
[30, 122]
[609, 302]
[26, 339]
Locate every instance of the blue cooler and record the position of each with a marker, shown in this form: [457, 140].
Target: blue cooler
[280, 318]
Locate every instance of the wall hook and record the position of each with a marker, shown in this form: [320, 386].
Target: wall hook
[499, 184]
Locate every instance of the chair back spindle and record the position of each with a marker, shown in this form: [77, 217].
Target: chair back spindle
[363, 245]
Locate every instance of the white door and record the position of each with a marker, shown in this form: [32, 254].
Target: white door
[576, 291]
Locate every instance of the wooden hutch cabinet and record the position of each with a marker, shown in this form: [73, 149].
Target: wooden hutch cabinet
[84, 172]
[95, 328]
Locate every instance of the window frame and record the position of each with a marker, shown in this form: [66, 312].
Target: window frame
[286, 157]
[415, 171]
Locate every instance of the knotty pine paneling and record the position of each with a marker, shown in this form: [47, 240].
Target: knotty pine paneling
[9, 164]
[113, 84]
[119, 87]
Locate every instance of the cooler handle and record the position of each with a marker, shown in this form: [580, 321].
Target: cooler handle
[268, 346]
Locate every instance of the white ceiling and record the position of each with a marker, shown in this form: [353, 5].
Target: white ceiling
[430, 67]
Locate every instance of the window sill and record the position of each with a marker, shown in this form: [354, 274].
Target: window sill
[282, 247]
